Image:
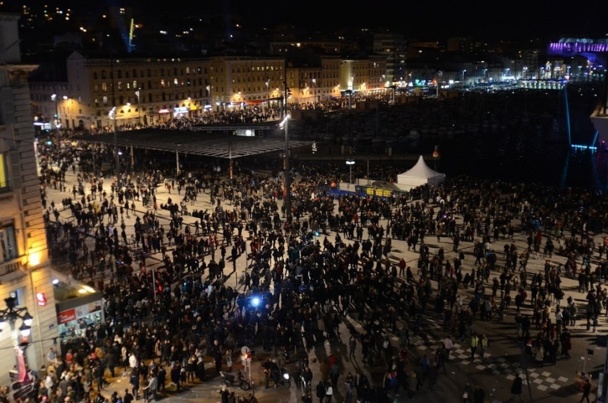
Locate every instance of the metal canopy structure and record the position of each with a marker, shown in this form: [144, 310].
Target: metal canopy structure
[209, 144]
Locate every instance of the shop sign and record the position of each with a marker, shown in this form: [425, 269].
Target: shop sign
[66, 316]
[41, 299]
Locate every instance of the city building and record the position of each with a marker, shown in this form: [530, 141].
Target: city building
[239, 80]
[155, 90]
[27, 316]
[363, 74]
[393, 47]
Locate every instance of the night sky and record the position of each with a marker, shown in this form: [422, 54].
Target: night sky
[422, 19]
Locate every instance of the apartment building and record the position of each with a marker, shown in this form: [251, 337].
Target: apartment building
[155, 90]
[365, 74]
[393, 47]
[28, 321]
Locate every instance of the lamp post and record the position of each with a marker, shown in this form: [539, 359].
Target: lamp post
[268, 87]
[230, 163]
[114, 117]
[285, 125]
[440, 75]
[12, 313]
[350, 164]
[54, 99]
[435, 157]
[138, 105]
[350, 96]
[177, 159]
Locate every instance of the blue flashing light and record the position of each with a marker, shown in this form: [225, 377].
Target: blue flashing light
[255, 302]
[583, 147]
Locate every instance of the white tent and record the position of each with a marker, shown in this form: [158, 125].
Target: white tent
[420, 174]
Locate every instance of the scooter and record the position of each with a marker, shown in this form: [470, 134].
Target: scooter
[235, 380]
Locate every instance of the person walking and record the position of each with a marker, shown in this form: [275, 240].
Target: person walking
[150, 389]
[320, 392]
[586, 390]
[329, 392]
[334, 374]
[176, 376]
[134, 381]
[479, 395]
[483, 345]
[352, 346]
[448, 344]
[516, 388]
[467, 395]
[474, 344]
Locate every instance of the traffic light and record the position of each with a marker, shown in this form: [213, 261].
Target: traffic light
[314, 147]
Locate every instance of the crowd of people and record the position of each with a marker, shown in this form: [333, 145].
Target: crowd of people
[330, 257]
[306, 270]
[241, 113]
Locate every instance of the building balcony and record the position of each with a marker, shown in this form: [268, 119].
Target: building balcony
[12, 266]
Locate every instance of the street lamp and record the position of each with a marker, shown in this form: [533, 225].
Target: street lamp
[12, 313]
[350, 164]
[285, 125]
[138, 106]
[440, 75]
[394, 88]
[54, 99]
[177, 159]
[435, 157]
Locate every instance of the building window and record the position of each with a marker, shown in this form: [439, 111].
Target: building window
[4, 177]
[8, 245]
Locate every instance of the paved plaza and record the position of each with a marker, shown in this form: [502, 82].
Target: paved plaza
[495, 372]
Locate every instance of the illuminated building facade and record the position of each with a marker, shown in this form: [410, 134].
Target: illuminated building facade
[155, 90]
[25, 274]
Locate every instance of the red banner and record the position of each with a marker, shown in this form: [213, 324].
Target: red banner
[67, 316]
